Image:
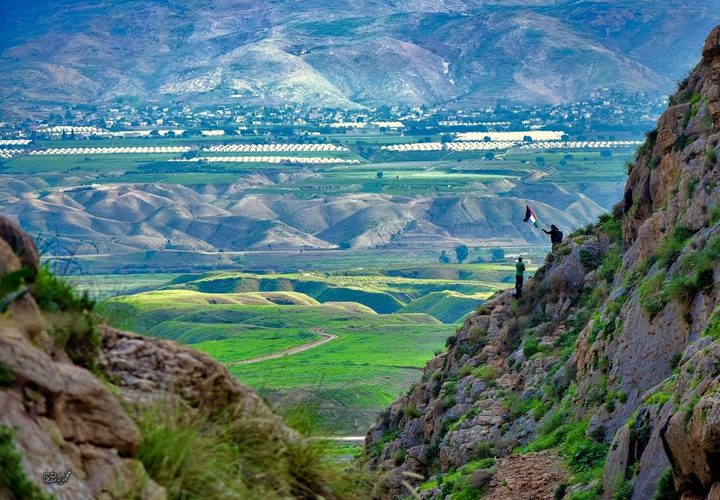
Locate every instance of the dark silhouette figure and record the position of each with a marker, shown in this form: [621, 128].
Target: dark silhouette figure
[556, 235]
[520, 269]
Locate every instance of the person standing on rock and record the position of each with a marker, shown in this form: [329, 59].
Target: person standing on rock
[519, 273]
[556, 235]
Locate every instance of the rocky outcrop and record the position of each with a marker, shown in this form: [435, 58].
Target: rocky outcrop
[66, 417]
[611, 357]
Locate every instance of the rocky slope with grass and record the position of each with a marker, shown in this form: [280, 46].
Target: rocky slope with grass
[129, 416]
[603, 381]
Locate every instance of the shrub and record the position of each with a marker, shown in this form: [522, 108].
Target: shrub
[54, 294]
[651, 300]
[589, 260]
[666, 487]
[73, 324]
[531, 346]
[611, 264]
[711, 155]
[7, 377]
[486, 372]
[670, 249]
[12, 475]
[713, 327]
[624, 491]
[465, 371]
[484, 450]
[412, 412]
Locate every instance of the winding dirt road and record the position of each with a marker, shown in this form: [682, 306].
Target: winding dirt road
[326, 337]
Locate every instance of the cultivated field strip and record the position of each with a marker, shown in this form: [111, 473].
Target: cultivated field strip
[305, 160]
[504, 145]
[111, 150]
[273, 148]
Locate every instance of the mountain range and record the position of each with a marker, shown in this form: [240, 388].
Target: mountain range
[455, 53]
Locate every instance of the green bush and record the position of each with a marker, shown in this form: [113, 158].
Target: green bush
[670, 249]
[12, 475]
[531, 346]
[624, 491]
[589, 260]
[464, 371]
[697, 270]
[711, 155]
[7, 377]
[486, 372]
[713, 327]
[53, 294]
[651, 300]
[666, 487]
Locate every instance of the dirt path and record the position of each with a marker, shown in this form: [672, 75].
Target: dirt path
[326, 337]
[534, 476]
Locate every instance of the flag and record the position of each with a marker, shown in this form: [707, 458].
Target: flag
[530, 217]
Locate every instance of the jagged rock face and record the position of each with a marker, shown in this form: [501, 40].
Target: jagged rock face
[637, 297]
[64, 417]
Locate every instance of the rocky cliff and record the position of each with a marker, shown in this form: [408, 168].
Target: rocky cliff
[129, 416]
[603, 381]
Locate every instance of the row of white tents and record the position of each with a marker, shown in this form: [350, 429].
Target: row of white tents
[504, 145]
[112, 150]
[303, 160]
[272, 148]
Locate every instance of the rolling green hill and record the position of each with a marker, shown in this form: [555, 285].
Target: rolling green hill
[349, 378]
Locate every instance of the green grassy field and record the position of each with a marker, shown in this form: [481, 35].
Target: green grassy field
[350, 379]
[237, 316]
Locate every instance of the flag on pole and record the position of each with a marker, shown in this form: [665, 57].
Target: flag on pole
[530, 217]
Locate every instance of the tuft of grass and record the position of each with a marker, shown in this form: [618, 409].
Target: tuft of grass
[486, 372]
[697, 274]
[194, 456]
[666, 487]
[12, 475]
[73, 324]
[711, 155]
[713, 327]
[670, 249]
[651, 300]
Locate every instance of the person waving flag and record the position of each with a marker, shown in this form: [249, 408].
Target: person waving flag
[530, 217]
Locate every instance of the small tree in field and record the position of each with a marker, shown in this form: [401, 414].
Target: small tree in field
[444, 258]
[497, 254]
[461, 252]
[379, 175]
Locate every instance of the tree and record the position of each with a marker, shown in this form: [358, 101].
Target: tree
[489, 155]
[461, 252]
[444, 258]
[379, 175]
[497, 254]
[527, 138]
